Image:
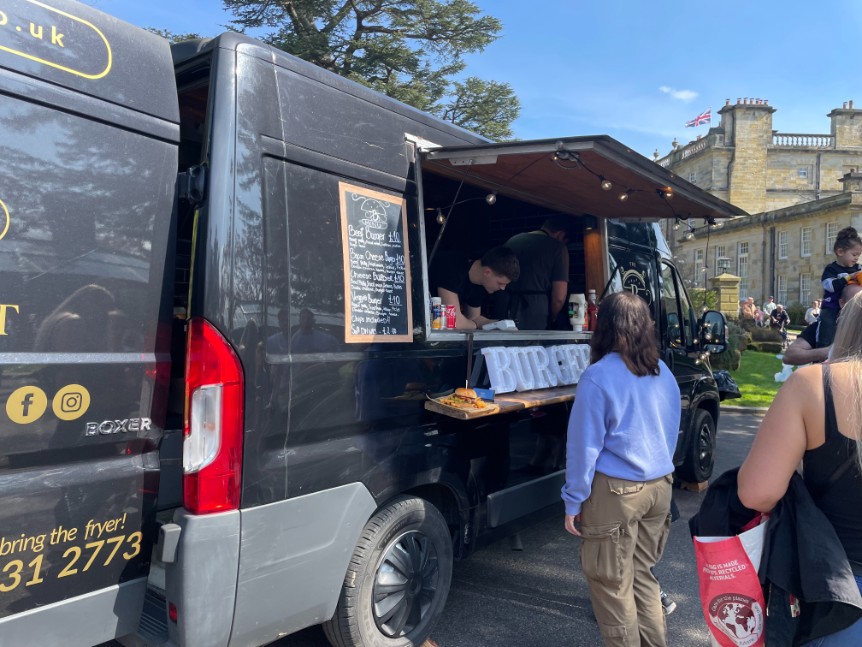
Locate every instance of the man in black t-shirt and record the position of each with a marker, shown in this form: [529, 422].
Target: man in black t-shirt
[539, 295]
[464, 283]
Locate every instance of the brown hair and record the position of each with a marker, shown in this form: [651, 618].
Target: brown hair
[846, 238]
[502, 261]
[624, 326]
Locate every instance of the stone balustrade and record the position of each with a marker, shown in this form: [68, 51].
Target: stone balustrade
[792, 140]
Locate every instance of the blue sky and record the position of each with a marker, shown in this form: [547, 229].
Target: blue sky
[636, 70]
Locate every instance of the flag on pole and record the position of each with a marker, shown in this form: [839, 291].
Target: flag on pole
[704, 117]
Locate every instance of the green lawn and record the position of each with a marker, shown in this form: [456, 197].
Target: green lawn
[756, 379]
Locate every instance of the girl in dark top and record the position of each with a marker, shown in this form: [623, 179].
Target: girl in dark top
[847, 248]
[801, 425]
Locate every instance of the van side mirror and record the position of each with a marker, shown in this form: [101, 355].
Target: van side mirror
[713, 332]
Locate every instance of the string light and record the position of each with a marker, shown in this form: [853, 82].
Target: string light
[666, 193]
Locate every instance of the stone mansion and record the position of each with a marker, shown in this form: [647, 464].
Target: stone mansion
[800, 190]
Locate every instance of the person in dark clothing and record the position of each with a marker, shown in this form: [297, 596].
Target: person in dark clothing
[801, 425]
[804, 349]
[778, 320]
[847, 248]
[464, 283]
[538, 296]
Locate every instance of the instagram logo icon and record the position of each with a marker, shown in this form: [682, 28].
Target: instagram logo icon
[71, 402]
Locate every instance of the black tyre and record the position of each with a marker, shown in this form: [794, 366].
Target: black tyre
[700, 449]
[398, 578]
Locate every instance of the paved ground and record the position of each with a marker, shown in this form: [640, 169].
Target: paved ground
[537, 597]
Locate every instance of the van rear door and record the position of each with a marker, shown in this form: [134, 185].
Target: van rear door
[89, 147]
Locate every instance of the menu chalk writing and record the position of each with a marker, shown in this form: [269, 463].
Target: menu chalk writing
[377, 301]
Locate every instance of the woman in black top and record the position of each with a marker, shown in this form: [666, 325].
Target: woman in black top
[802, 425]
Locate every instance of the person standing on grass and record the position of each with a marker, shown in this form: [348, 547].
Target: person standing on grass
[619, 470]
[778, 321]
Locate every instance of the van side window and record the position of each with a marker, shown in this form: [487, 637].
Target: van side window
[79, 284]
[674, 321]
[304, 272]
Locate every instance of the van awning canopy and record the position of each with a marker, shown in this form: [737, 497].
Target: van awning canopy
[579, 176]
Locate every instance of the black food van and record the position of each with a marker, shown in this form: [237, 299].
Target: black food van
[215, 345]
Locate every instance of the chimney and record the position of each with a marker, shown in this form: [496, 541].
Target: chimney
[852, 181]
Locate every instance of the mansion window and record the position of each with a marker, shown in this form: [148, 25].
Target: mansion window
[804, 289]
[782, 244]
[781, 293]
[805, 241]
[742, 268]
[699, 269]
[831, 235]
[722, 263]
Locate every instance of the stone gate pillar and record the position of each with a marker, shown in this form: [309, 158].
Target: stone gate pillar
[726, 287]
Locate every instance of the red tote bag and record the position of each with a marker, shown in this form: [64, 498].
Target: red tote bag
[730, 593]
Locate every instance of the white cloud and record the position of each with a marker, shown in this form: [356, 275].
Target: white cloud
[682, 95]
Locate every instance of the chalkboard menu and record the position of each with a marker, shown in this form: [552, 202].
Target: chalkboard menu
[377, 299]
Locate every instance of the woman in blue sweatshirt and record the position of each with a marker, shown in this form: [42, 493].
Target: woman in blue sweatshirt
[619, 465]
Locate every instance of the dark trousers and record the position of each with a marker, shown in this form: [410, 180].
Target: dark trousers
[826, 330]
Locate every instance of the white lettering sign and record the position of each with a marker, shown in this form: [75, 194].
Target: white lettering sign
[524, 368]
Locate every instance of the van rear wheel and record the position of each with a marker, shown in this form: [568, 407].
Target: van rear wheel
[700, 449]
[398, 578]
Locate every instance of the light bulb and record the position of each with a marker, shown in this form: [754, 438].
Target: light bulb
[607, 185]
[440, 217]
[491, 198]
[688, 235]
[676, 226]
[624, 196]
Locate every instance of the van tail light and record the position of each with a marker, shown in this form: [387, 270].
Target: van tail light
[212, 443]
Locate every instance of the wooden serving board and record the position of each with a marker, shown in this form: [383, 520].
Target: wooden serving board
[539, 397]
[507, 403]
[461, 414]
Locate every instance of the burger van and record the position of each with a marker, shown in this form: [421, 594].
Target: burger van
[218, 370]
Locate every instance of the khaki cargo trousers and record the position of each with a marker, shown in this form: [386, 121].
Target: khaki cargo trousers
[624, 527]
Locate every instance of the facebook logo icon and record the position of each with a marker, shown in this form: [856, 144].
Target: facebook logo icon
[26, 405]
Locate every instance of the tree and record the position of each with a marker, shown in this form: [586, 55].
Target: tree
[488, 107]
[408, 49]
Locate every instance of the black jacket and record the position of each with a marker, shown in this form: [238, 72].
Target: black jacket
[802, 556]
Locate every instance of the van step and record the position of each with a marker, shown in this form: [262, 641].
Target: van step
[154, 619]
